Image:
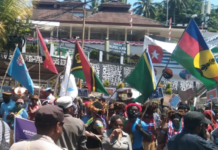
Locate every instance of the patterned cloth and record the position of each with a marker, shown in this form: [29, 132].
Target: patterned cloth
[151, 127]
[7, 133]
[171, 130]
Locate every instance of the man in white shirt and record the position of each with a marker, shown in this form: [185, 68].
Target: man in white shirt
[49, 97]
[49, 122]
[6, 133]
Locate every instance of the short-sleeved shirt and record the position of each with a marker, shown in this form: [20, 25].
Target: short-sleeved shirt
[6, 109]
[22, 114]
[32, 115]
[51, 97]
[135, 135]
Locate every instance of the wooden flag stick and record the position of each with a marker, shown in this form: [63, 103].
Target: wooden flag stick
[8, 68]
[39, 61]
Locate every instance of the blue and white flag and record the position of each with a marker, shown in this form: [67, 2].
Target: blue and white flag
[19, 72]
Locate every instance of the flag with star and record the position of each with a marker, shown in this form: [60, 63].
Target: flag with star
[156, 53]
[43, 51]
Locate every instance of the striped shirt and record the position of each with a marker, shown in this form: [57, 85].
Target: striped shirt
[7, 133]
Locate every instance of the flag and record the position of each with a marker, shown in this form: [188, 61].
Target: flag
[195, 56]
[19, 72]
[68, 86]
[142, 77]
[83, 70]
[156, 53]
[43, 51]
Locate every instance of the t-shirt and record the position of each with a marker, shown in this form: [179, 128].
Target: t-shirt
[20, 114]
[85, 119]
[51, 97]
[135, 135]
[6, 109]
[32, 115]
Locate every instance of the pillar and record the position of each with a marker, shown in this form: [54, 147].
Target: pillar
[106, 48]
[125, 34]
[89, 33]
[128, 51]
[70, 34]
[34, 34]
[100, 56]
[147, 32]
[121, 59]
[57, 32]
[107, 33]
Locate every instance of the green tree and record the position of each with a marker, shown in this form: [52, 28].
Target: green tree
[145, 8]
[94, 6]
[213, 21]
[14, 16]
[168, 89]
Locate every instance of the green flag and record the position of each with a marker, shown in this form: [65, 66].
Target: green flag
[143, 78]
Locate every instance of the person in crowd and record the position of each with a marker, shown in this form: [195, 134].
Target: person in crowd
[33, 107]
[216, 115]
[4, 135]
[88, 114]
[115, 138]
[7, 106]
[134, 127]
[73, 136]
[119, 108]
[49, 121]
[49, 95]
[150, 121]
[194, 135]
[111, 113]
[213, 125]
[96, 126]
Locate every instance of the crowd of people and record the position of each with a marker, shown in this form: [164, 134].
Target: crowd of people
[93, 124]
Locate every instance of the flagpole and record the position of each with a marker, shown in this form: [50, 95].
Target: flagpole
[55, 93]
[69, 75]
[39, 61]
[8, 68]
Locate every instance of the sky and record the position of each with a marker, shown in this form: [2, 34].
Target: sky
[215, 2]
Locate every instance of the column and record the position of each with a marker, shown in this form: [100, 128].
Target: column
[128, 51]
[51, 34]
[147, 32]
[121, 59]
[125, 34]
[100, 56]
[34, 34]
[106, 48]
[57, 32]
[89, 33]
[107, 33]
[70, 34]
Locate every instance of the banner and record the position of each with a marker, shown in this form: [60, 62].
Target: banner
[174, 101]
[23, 129]
[158, 94]
[83, 93]
[110, 91]
[187, 95]
[211, 95]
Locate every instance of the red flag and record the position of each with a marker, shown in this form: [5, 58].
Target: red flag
[43, 51]
[156, 53]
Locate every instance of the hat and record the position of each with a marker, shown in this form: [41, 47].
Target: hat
[20, 101]
[34, 97]
[64, 101]
[194, 119]
[49, 115]
[6, 93]
[48, 89]
[19, 90]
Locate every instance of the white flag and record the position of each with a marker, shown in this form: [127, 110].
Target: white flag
[68, 86]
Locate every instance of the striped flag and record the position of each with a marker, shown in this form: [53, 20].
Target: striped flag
[131, 20]
[170, 23]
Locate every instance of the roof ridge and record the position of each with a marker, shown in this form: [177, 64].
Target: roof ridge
[149, 19]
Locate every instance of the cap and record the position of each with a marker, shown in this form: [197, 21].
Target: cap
[34, 97]
[64, 101]
[48, 89]
[194, 119]
[20, 101]
[49, 115]
[7, 93]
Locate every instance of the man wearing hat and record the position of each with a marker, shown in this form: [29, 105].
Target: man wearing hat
[73, 137]
[33, 107]
[49, 95]
[7, 106]
[194, 135]
[49, 122]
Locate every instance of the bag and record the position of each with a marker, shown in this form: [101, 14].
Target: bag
[3, 144]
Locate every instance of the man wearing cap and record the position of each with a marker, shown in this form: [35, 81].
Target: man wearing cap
[73, 137]
[49, 122]
[49, 95]
[194, 135]
[33, 107]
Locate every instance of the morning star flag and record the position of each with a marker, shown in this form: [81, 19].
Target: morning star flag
[19, 72]
[43, 51]
[195, 56]
[142, 77]
[83, 70]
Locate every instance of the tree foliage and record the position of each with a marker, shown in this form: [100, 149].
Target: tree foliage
[145, 8]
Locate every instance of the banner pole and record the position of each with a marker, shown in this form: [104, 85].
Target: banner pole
[8, 68]
[69, 74]
[57, 81]
[39, 61]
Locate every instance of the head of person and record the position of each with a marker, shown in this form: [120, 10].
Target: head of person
[196, 123]
[129, 94]
[61, 53]
[151, 108]
[176, 118]
[49, 120]
[6, 97]
[66, 103]
[111, 109]
[19, 104]
[119, 108]
[56, 52]
[97, 108]
[216, 113]
[48, 91]
[34, 99]
[133, 111]
[116, 122]
[183, 106]
[101, 99]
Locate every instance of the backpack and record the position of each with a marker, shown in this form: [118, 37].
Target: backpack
[3, 144]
